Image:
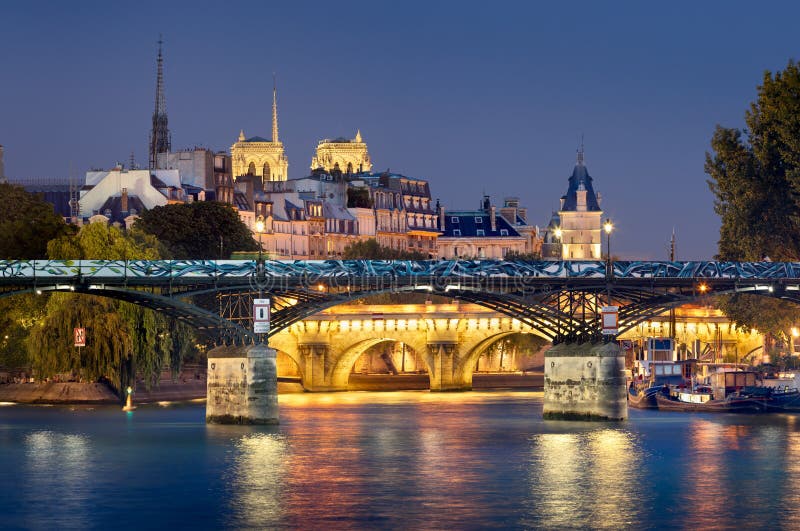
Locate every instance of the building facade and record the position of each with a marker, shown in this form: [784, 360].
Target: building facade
[576, 232]
[478, 234]
[342, 154]
[260, 157]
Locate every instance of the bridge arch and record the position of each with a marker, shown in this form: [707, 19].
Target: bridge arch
[340, 373]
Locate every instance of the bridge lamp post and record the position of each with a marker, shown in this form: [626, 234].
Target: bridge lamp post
[260, 231]
[608, 227]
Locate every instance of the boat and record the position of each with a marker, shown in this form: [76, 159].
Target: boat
[703, 402]
[643, 398]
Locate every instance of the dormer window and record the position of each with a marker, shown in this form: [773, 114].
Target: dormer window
[454, 219]
[481, 232]
[478, 219]
[456, 232]
[503, 232]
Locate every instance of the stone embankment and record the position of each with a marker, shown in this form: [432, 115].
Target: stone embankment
[195, 389]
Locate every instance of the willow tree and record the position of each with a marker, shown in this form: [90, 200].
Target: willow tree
[123, 339]
[755, 178]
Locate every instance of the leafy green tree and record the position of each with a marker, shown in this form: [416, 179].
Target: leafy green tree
[27, 223]
[755, 178]
[371, 250]
[201, 230]
[123, 340]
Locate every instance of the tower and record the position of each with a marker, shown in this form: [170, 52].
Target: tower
[580, 216]
[259, 157]
[160, 140]
[346, 155]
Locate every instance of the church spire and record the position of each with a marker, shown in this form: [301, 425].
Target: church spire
[274, 110]
[160, 141]
[580, 153]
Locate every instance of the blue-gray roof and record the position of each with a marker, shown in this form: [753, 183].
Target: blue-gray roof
[468, 225]
[257, 139]
[580, 176]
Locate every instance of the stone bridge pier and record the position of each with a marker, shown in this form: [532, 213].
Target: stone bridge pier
[585, 381]
[448, 339]
[242, 385]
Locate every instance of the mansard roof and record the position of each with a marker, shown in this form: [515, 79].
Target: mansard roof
[257, 139]
[580, 180]
[468, 225]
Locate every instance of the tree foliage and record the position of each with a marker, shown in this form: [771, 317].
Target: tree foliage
[755, 178]
[196, 231]
[123, 340]
[371, 250]
[27, 223]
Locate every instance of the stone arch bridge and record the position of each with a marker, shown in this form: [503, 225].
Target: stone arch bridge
[448, 338]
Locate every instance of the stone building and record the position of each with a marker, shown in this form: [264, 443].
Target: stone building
[577, 227]
[482, 233]
[342, 154]
[260, 157]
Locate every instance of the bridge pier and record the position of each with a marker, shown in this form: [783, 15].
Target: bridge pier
[445, 370]
[585, 381]
[318, 372]
[242, 385]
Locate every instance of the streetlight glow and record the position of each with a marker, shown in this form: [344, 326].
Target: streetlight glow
[608, 226]
[260, 224]
[558, 232]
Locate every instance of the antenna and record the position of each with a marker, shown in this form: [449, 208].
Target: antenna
[74, 197]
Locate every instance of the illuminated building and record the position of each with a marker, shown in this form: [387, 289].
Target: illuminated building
[577, 227]
[260, 157]
[342, 154]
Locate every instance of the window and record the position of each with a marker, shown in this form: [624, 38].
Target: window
[454, 219]
[481, 232]
[478, 219]
[503, 232]
[456, 232]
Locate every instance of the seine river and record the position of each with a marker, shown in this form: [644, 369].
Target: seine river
[403, 460]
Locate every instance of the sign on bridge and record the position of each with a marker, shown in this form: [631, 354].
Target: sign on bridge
[260, 316]
[610, 318]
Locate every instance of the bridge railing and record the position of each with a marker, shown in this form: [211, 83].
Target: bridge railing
[23, 271]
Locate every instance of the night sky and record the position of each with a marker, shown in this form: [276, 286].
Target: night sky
[487, 97]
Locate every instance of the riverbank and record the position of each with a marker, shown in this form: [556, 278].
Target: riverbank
[194, 389]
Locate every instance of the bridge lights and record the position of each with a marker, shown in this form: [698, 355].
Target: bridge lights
[703, 287]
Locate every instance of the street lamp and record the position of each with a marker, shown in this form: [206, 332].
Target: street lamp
[608, 227]
[260, 231]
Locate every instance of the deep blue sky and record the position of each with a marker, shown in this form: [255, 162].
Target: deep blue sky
[475, 97]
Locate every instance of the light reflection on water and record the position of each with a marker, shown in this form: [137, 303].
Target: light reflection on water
[410, 460]
[584, 477]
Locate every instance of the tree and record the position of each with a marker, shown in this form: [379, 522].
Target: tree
[123, 340]
[197, 231]
[27, 223]
[371, 250]
[755, 178]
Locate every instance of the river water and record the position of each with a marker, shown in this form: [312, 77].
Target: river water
[402, 460]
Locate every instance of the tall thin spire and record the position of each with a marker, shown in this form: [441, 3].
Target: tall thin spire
[274, 109]
[580, 152]
[160, 140]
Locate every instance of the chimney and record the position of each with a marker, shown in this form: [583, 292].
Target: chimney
[493, 217]
[440, 208]
[124, 201]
